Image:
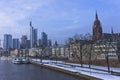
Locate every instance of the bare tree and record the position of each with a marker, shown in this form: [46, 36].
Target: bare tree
[87, 36]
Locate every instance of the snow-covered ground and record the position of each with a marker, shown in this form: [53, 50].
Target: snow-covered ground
[76, 68]
[5, 58]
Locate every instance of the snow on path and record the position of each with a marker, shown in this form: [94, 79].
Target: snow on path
[75, 68]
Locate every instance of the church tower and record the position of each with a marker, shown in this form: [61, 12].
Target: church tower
[97, 29]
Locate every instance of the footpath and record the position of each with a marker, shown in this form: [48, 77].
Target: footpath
[93, 73]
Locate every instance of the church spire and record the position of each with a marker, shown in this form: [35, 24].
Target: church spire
[97, 28]
[96, 16]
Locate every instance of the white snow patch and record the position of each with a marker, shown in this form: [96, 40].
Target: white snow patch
[77, 69]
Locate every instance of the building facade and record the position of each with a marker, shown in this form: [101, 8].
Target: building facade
[33, 36]
[7, 44]
[28, 44]
[49, 43]
[44, 39]
[107, 48]
[23, 42]
[60, 51]
[39, 43]
[16, 44]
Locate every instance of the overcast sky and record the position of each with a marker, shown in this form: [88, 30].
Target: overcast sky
[60, 19]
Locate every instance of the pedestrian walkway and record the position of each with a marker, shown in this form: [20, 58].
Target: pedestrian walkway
[100, 73]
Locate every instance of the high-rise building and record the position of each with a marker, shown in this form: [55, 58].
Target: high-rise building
[39, 43]
[49, 43]
[33, 36]
[97, 29]
[44, 40]
[7, 44]
[28, 44]
[16, 44]
[23, 42]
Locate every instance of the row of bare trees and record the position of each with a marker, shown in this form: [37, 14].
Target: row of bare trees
[86, 49]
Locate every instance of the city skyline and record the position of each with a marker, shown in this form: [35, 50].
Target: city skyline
[57, 17]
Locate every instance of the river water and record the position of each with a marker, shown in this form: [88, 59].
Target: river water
[10, 71]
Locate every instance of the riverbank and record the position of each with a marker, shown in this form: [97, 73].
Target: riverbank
[75, 74]
[4, 58]
[74, 69]
[10, 71]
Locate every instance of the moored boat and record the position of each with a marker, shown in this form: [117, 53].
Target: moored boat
[25, 60]
[17, 60]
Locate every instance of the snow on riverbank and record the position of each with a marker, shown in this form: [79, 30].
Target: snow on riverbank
[5, 58]
[76, 68]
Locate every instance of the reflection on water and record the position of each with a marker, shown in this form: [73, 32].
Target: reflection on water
[10, 71]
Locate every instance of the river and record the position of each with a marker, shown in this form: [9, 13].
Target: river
[10, 71]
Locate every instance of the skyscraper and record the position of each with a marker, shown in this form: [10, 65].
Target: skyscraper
[97, 29]
[49, 43]
[28, 44]
[23, 42]
[7, 44]
[39, 43]
[44, 39]
[33, 36]
[16, 44]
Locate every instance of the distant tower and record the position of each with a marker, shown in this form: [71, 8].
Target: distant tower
[97, 29]
[7, 44]
[49, 43]
[44, 39]
[24, 42]
[33, 36]
[16, 43]
[112, 32]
